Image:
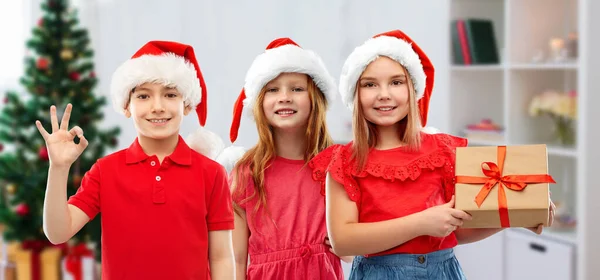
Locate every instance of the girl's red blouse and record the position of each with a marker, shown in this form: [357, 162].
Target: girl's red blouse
[396, 183]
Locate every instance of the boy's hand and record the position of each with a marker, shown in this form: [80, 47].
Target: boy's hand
[62, 150]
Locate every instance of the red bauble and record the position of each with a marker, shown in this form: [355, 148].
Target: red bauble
[6, 100]
[22, 209]
[1, 147]
[40, 22]
[42, 63]
[93, 74]
[74, 76]
[76, 181]
[43, 153]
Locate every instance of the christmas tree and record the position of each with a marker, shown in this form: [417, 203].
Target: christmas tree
[58, 70]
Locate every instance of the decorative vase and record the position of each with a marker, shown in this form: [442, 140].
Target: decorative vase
[563, 131]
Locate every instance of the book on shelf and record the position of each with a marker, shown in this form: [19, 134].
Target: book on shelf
[473, 42]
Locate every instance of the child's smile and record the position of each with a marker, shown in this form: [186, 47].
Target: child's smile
[159, 122]
[286, 112]
[157, 110]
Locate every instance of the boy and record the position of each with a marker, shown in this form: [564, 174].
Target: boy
[166, 209]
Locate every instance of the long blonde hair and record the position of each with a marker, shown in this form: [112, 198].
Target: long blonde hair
[256, 160]
[366, 133]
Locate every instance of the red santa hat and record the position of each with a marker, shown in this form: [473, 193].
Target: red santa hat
[168, 63]
[399, 47]
[281, 56]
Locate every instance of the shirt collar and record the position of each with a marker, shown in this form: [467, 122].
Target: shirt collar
[182, 154]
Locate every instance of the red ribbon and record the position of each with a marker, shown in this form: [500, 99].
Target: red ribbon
[36, 247]
[73, 261]
[494, 177]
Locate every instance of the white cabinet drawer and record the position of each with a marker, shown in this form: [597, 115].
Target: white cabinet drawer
[529, 256]
[470, 257]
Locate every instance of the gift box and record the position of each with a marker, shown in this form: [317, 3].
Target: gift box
[36, 260]
[79, 263]
[8, 270]
[7, 266]
[503, 186]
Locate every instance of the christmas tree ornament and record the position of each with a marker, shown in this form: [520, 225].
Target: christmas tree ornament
[43, 153]
[42, 63]
[74, 76]
[66, 54]
[11, 188]
[22, 209]
[77, 180]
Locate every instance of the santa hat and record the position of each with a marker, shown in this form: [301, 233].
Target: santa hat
[399, 47]
[281, 56]
[173, 64]
[168, 63]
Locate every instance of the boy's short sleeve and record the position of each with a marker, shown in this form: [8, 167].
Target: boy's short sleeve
[87, 197]
[219, 205]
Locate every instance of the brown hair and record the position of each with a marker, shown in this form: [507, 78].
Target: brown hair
[256, 160]
[366, 134]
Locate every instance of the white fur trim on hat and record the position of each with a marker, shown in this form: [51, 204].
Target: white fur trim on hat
[431, 130]
[167, 69]
[212, 146]
[205, 142]
[394, 48]
[230, 156]
[286, 59]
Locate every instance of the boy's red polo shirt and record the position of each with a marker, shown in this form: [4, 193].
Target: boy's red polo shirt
[156, 217]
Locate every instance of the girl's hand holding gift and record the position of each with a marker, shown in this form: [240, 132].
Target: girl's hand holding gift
[540, 228]
[442, 220]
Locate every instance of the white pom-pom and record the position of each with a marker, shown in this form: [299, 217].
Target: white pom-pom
[431, 130]
[206, 142]
[230, 156]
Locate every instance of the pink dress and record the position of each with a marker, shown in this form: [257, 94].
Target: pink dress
[288, 242]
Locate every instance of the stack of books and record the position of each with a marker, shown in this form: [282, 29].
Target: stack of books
[473, 42]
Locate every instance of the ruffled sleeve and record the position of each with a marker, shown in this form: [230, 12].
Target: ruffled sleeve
[335, 160]
[448, 144]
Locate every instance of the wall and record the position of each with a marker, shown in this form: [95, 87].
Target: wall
[227, 35]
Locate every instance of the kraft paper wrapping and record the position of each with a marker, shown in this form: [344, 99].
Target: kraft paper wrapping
[526, 208]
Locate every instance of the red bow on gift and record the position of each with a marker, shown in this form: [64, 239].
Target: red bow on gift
[73, 261]
[495, 177]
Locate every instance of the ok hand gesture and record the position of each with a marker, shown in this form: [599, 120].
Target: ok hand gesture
[62, 150]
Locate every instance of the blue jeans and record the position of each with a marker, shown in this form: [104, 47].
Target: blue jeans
[440, 265]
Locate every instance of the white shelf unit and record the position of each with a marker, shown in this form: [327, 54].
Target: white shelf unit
[502, 92]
